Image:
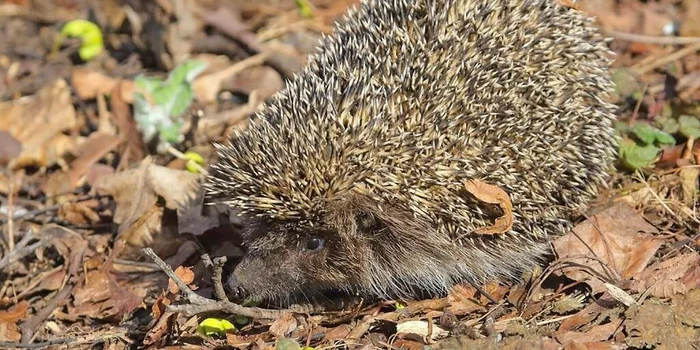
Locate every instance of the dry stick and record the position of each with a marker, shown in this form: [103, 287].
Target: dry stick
[201, 304]
[29, 327]
[10, 214]
[21, 250]
[669, 58]
[650, 39]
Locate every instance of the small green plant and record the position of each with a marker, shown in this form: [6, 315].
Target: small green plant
[89, 34]
[641, 143]
[159, 105]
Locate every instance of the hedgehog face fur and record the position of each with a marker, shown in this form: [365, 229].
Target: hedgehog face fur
[354, 178]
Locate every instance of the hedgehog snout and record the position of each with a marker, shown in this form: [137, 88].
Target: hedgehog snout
[235, 287]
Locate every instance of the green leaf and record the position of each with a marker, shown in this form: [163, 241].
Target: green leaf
[649, 135]
[669, 125]
[215, 326]
[305, 8]
[169, 99]
[287, 344]
[89, 34]
[689, 126]
[625, 83]
[634, 156]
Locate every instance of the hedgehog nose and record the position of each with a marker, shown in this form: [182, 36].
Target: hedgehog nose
[235, 288]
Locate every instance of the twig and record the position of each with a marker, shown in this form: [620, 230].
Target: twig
[650, 39]
[562, 318]
[200, 304]
[218, 270]
[189, 294]
[10, 214]
[39, 345]
[182, 156]
[21, 250]
[669, 58]
[30, 326]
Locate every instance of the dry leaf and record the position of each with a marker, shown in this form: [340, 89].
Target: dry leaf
[90, 84]
[103, 297]
[9, 331]
[421, 329]
[95, 147]
[493, 195]
[206, 87]
[185, 275]
[619, 237]
[38, 122]
[689, 184]
[136, 192]
[595, 333]
[284, 325]
[667, 278]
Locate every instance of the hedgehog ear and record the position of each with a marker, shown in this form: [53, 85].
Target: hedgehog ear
[367, 222]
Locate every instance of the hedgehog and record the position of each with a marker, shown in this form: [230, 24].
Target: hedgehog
[352, 179]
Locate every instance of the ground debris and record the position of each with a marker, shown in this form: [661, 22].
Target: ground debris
[81, 193]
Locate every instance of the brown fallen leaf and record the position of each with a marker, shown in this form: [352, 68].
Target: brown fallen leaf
[136, 193]
[284, 325]
[9, 331]
[121, 113]
[80, 213]
[493, 195]
[89, 84]
[38, 122]
[262, 79]
[594, 334]
[185, 274]
[462, 300]
[95, 147]
[620, 239]
[677, 275]
[206, 87]
[588, 314]
[102, 297]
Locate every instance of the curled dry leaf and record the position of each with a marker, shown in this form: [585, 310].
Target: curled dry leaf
[185, 274]
[493, 195]
[620, 239]
[38, 122]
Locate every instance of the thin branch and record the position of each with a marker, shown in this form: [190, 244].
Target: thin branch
[21, 250]
[200, 304]
[650, 39]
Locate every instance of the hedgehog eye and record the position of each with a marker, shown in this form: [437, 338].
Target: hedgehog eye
[314, 244]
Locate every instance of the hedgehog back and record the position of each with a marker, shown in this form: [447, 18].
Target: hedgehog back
[410, 99]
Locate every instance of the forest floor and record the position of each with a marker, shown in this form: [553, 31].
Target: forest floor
[82, 193]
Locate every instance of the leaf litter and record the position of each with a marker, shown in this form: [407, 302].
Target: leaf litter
[82, 191]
